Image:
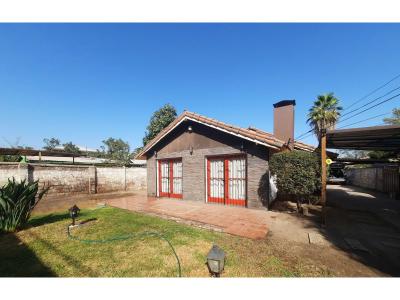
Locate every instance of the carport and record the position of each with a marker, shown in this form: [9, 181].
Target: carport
[363, 221]
[383, 138]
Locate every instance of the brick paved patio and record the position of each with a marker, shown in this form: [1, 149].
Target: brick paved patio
[245, 222]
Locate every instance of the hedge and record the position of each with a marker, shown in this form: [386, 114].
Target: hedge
[298, 173]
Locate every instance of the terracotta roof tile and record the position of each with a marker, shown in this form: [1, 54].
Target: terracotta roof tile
[251, 132]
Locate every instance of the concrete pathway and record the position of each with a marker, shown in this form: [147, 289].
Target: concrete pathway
[358, 216]
[249, 223]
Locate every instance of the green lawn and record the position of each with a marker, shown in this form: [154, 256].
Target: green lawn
[44, 249]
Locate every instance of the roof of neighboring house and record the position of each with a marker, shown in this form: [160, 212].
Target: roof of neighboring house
[81, 148]
[251, 133]
[18, 151]
[139, 162]
[78, 159]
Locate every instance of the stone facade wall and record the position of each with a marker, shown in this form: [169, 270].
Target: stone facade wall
[194, 172]
[72, 180]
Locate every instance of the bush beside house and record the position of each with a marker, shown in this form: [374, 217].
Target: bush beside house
[298, 175]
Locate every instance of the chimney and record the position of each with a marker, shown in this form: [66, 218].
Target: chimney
[284, 121]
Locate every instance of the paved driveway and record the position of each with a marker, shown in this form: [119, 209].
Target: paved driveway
[239, 221]
[369, 218]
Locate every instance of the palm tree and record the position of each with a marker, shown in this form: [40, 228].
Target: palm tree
[324, 114]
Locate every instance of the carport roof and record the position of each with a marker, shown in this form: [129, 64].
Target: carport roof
[385, 138]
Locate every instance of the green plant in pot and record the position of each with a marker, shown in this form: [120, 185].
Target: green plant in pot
[17, 201]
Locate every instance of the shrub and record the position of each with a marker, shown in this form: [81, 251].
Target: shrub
[17, 200]
[298, 174]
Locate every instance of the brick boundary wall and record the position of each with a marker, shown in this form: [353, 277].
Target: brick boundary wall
[69, 180]
[380, 178]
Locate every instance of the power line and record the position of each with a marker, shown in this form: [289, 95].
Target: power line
[381, 115]
[376, 99]
[362, 98]
[375, 90]
[373, 106]
[303, 134]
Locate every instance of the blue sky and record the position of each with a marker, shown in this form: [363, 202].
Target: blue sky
[86, 82]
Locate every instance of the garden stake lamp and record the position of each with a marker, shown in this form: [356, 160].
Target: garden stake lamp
[215, 261]
[73, 212]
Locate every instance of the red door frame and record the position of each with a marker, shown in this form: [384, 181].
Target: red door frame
[171, 193]
[226, 199]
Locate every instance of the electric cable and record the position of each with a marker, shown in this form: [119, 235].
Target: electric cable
[373, 106]
[352, 116]
[375, 90]
[370, 102]
[381, 115]
[362, 98]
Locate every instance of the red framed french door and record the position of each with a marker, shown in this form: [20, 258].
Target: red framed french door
[226, 180]
[170, 178]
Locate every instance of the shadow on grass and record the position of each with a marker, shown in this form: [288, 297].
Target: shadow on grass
[70, 260]
[17, 260]
[47, 219]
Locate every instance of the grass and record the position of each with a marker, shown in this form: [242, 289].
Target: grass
[44, 249]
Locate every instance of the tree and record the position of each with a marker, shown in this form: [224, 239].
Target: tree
[71, 148]
[158, 121]
[298, 174]
[116, 149]
[136, 151]
[51, 143]
[395, 119]
[324, 114]
[356, 154]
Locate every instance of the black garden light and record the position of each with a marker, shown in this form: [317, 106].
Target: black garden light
[73, 212]
[216, 261]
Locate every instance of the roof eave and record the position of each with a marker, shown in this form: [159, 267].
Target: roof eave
[185, 117]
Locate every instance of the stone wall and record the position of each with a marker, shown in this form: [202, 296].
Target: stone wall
[66, 180]
[115, 179]
[370, 178]
[379, 178]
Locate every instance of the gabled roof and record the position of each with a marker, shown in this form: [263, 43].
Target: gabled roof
[251, 134]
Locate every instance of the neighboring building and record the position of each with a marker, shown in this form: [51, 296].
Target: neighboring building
[202, 159]
[83, 149]
[138, 162]
[62, 159]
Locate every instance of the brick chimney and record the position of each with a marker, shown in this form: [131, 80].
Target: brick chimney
[284, 121]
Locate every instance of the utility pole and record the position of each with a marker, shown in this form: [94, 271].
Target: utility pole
[323, 173]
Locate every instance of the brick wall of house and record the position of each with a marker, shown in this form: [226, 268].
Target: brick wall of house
[209, 142]
[257, 167]
[73, 180]
[194, 172]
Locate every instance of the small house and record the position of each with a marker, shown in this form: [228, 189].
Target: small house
[202, 159]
